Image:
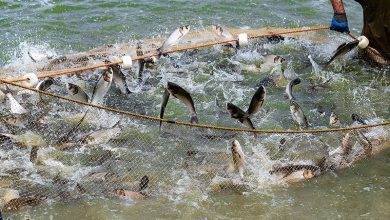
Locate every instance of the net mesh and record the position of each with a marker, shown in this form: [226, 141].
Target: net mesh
[58, 150]
[120, 156]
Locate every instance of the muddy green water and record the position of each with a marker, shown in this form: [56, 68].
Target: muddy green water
[359, 192]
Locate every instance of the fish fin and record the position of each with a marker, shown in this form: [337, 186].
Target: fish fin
[164, 103]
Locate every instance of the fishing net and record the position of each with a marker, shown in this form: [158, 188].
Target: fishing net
[60, 150]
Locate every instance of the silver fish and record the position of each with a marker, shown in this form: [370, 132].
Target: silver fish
[45, 84]
[273, 59]
[357, 120]
[174, 38]
[164, 102]
[35, 57]
[342, 50]
[16, 108]
[181, 94]
[255, 106]
[237, 113]
[120, 79]
[34, 154]
[334, 120]
[140, 62]
[290, 86]
[2, 96]
[257, 101]
[102, 86]
[222, 32]
[102, 136]
[298, 115]
[308, 170]
[136, 194]
[238, 156]
[75, 92]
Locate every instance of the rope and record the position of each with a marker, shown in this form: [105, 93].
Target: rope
[312, 131]
[80, 69]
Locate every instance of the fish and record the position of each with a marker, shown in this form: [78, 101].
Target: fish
[238, 156]
[102, 136]
[275, 38]
[120, 79]
[357, 120]
[27, 139]
[30, 80]
[36, 57]
[136, 194]
[77, 93]
[224, 33]
[16, 204]
[181, 94]
[255, 106]
[345, 145]
[45, 84]
[319, 86]
[102, 86]
[290, 86]
[140, 62]
[2, 96]
[270, 61]
[164, 102]
[334, 120]
[273, 59]
[298, 115]
[289, 169]
[174, 38]
[16, 108]
[342, 50]
[34, 154]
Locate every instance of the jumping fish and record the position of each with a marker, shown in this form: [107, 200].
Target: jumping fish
[102, 86]
[16, 108]
[342, 50]
[357, 120]
[182, 95]
[273, 59]
[75, 92]
[36, 57]
[334, 120]
[45, 84]
[238, 156]
[224, 33]
[99, 91]
[120, 79]
[174, 38]
[255, 106]
[140, 62]
[290, 86]
[30, 80]
[309, 171]
[298, 115]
